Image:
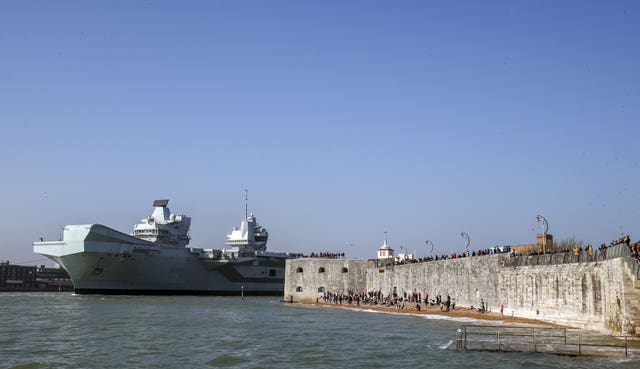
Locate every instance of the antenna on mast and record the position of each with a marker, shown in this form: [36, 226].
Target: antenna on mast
[246, 201]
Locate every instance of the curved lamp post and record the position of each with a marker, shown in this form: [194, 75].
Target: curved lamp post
[467, 241]
[545, 228]
[428, 242]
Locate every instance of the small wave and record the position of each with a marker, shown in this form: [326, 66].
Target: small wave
[428, 316]
[8, 341]
[30, 365]
[225, 360]
[457, 319]
[365, 310]
[444, 347]
[633, 357]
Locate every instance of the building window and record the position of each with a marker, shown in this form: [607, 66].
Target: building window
[272, 272]
[345, 270]
[321, 270]
[298, 289]
[299, 270]
[321, 289]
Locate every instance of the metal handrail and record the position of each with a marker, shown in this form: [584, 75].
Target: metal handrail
[538, 337]
[619, 250]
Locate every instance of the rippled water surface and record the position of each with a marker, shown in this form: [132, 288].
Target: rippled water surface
[62, 330]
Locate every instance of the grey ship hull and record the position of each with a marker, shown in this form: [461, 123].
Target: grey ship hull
[104, 261]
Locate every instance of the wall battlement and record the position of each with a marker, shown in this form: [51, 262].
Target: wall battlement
[601, 295]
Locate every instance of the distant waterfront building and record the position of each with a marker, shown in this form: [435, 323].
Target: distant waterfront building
[385, 253]
[544, 242]
[32, 278]
[53, 279]
[16, 277]
[402, 257]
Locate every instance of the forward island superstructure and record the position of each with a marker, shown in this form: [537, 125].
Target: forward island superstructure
[157, 259]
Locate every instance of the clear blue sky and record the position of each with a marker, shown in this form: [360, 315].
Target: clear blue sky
[342, 119]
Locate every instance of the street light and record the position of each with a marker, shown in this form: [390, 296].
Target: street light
[467, 241]
[545, 228]
[428, 242]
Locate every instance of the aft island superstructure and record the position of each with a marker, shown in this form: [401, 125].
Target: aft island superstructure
[157, 259]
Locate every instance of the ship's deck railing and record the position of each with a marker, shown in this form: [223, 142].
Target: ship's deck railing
[540, 339]
[48, 243]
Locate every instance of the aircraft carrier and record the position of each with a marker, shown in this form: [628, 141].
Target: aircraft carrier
[157, 259]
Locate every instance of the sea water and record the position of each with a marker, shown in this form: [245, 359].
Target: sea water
[63, 330]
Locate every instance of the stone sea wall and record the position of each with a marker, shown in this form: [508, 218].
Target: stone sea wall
[602, 295]
[597, 295]
[305, 279]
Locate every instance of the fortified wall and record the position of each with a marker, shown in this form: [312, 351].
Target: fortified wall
[307, 279]
[597, 293]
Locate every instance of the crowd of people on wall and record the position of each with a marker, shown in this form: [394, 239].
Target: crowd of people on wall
[635, 251]
[576, 249]
[325, 255]
[633, 247]
[454, 255]
[588, 252]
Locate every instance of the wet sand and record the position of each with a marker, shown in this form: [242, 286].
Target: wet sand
[459, 312]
